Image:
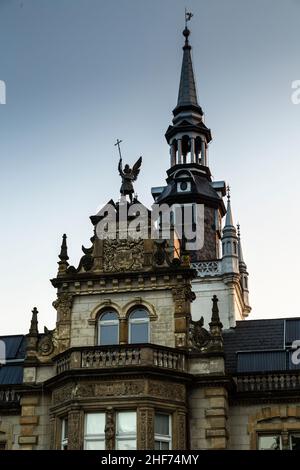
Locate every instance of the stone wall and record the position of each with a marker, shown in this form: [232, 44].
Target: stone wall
[245, 421]
[159, 303]
[208, 418]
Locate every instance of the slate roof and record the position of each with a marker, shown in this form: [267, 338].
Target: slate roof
[11, 373]
[265, 339]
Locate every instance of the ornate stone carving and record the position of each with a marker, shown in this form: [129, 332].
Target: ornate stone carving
[117, 389]
[46, 344]
[63, 305]
[110, 429]
[181, 429]
[199, 337]
[62, 394]
[170, 391]
[123, 255]
[146, 429]
[74, 434]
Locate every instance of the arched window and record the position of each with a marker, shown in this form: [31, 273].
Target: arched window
[139, 326]
[108, 328]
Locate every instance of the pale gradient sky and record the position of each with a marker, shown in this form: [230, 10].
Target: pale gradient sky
[81, 73]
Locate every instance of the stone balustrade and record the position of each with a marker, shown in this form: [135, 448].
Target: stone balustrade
[105, 357]
[268, 382]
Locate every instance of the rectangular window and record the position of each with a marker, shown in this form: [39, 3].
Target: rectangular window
[295, 441]
[2, 445]
[94, 431]
[269, 442]
[162, 432]
[64, 434]
[126, 430]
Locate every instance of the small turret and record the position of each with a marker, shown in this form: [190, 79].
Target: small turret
[243, 269]
[230, 258]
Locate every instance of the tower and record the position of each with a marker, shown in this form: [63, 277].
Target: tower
[213, 249]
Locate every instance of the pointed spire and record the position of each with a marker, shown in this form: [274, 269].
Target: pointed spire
[63, 256]
[229, 218]
[241, 256]
[215, 327]
[187, 95]
[33, 330]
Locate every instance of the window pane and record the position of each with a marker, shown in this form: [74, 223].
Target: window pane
[139, 333]
[269, 442]
[128, 444]
[109, 334]
[65, 428]
[95, 445]
[109, 316]
[295, 441]
[95, 423]
[126, 422]
[162, 424]
[157, 445]
[139, 313]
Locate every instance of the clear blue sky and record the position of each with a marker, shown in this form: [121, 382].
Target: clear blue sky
[80, 73]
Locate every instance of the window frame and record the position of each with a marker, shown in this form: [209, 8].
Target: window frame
[64, 438]
[138, 321]
[266, 434]
[101, 323]
[163, 437]
[100, 437]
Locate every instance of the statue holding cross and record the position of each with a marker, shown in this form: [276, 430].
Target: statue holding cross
[128, 175]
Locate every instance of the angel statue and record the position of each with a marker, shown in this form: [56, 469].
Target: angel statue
[129, 175]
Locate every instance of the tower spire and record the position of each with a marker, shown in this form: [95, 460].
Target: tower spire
[187, 95]
[229, 218]
[188, 137]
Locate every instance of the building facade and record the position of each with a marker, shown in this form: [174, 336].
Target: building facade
[151, 348]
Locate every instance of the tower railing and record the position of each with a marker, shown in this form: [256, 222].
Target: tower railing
[208, 268]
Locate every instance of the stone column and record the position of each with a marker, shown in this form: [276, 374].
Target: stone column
[28, 438]
[75, 429]
[145, 428]
[173, 155]
[123, 331]
[193, 155]
[203, 153]
[179, 153]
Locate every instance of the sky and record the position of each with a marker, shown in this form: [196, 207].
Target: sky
[81, 73]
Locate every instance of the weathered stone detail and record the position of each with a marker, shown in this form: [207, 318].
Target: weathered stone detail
[123, 255]
[62, 394]
[75, 430]
[145, 429]
[174, 391]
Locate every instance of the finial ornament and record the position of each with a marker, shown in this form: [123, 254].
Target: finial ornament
[238, 230]
[188, 16]
[228, 192]
[119, 148]
[128, 175]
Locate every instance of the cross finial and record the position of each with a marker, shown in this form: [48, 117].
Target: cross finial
[228, 192]
[118, 144]
[188, 16]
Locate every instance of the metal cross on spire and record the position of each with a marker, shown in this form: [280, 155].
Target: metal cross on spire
[188, 16]
[119, 148]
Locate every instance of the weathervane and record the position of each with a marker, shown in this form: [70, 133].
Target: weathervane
[188, 16]
[128, 175]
